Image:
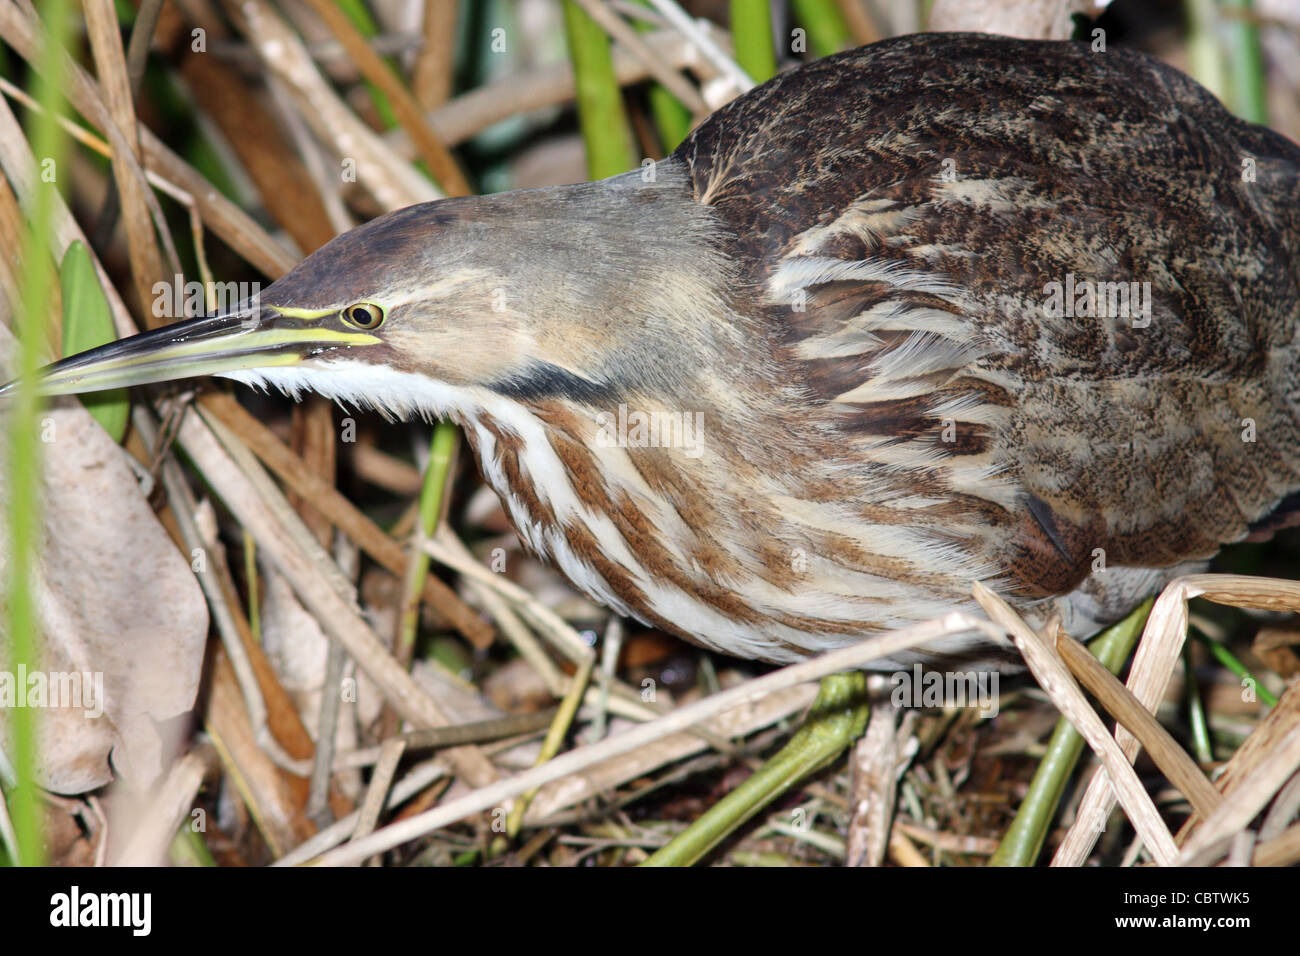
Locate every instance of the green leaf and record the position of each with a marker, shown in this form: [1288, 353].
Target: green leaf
[87, 323]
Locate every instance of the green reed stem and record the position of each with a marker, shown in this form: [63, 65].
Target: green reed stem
[751, 35]
[1228, 660]
[672, 117]
[1196, 711]
[442, 449]
[188, 849]
[253, 579]
[1246, 63]
[837, 718]
[827, 31]
[1205, 57]
[1023, 840]
[365, 24]
[25, 429]
[601, 116]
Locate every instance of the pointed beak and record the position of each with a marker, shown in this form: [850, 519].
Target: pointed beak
[213, 345]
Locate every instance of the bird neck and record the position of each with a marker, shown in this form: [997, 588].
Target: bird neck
[627, 286]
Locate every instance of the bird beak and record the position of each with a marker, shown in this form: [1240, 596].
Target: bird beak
[213, 345]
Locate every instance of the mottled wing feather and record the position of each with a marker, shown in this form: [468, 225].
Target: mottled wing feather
[902, 211]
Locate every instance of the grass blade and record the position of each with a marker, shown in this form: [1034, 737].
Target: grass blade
[87, 323]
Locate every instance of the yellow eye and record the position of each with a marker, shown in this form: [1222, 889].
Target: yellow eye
[364, 315]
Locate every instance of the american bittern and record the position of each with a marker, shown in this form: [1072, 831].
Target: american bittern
[942, 309]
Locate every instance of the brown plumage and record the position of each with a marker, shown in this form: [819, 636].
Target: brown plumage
[854, 302]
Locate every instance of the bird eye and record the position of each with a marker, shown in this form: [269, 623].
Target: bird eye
[364, 315]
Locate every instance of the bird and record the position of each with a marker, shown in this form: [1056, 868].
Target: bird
[942, 309]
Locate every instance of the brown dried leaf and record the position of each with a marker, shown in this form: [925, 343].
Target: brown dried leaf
[115, 600]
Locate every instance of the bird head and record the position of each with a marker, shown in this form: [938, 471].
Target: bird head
[574, 290]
